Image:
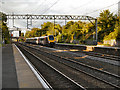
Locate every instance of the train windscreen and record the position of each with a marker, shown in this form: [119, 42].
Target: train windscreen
[51, 38]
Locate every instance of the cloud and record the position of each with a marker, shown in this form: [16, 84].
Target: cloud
[73, 7]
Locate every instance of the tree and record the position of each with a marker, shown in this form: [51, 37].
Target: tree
[3, 16]
[116, 33]
[81, 31]
[106, 23]
[22, 34]
[5, 32]
[118, 24]
[35, 32]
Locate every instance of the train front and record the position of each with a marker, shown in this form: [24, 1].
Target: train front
[51, 40]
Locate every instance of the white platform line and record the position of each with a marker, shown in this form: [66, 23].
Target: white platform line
[35, 72]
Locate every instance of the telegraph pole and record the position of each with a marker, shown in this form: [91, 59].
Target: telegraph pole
[96, 30]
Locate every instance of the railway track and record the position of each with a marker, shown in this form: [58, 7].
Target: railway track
[105, 56]
[55, 78]
[99, 63]
[95, 54]
[105, 77]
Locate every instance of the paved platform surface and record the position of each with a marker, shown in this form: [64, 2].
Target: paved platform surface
[0, 67]
[16, 72]
[9, 76]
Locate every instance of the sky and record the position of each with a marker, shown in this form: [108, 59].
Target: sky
[55, 7]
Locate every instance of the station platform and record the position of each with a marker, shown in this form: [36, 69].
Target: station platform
[98, 49]
[15, 71]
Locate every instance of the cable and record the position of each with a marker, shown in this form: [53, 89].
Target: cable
[85, 4]
[115, 11]
[50, 7]
[38, 7]
[102, 8]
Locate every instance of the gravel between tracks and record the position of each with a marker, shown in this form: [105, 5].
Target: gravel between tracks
[54, 79]
[98, 64]
[89, 80]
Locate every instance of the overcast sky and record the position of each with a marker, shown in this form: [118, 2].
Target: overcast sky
[56, 7]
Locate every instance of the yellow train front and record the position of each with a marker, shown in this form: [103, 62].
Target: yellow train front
[47, 40]
[44, 40]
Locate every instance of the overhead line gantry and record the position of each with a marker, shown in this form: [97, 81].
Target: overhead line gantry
[51, 17]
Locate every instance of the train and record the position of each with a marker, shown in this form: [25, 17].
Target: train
[44, 40]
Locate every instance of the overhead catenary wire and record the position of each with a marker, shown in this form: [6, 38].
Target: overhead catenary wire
[101, 8]
[47, 8]
[85, 4]
[34, 10]
[50, 7]
[38, 7]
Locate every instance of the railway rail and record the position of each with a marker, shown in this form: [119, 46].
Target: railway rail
[95, 54]
[106, 56]
[54, 77]
[99, 63]
[111, 51]
[107, 78]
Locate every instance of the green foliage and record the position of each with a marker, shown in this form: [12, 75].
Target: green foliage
[3, 16]
[118, 28]
[106, 24]
[115, 34]
[22, 34]
[5, 32]
[35, 32]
